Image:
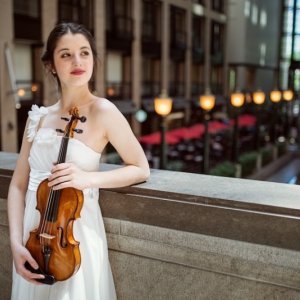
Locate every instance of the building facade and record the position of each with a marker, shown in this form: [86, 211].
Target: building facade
[182, 47]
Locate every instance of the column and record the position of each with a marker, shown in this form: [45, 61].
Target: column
[188, 58]
[136, 75]
[165, 55]
[8, 120]
[49, 17]
[207, 36]
[100, 38]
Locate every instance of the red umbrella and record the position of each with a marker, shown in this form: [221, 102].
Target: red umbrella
[155, 138]
[184, 133]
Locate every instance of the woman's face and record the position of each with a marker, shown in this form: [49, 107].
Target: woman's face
[73, 60]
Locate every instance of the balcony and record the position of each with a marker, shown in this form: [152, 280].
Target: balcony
[176, 88]
[151, 45]
[120, 33]
[197, 88]
[178, 45]
[150, 89]
[192, 236]
[118, 90]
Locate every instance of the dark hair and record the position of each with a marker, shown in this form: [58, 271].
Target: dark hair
[57, 32]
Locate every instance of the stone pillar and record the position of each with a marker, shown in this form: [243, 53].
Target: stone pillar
[165, 41]
[188, 58]
[207, 42]
[225, 48]
[188, 53]
[9, 126]
[136, 75]
[49, 19]
[99, 29]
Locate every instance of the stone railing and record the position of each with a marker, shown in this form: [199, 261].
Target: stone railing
[188, 236]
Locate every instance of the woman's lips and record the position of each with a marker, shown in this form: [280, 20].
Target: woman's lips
[77, 72]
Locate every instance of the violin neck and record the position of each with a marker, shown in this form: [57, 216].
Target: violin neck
[63, 150]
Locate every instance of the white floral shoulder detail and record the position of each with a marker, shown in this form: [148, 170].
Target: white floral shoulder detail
[34, 116]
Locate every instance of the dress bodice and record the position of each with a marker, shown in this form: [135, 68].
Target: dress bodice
[45, 148]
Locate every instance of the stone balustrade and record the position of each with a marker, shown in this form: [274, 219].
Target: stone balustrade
[190, 236]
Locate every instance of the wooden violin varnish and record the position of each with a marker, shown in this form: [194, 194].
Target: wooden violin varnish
[52, 244]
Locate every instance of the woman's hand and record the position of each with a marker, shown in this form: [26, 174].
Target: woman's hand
[68, 175]
[20, 256]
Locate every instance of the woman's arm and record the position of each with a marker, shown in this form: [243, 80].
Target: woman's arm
[120, 135]
[16, 205]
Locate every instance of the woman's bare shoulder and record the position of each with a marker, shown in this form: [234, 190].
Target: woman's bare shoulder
[104, 107]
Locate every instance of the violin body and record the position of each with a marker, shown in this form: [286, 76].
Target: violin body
[52, 244]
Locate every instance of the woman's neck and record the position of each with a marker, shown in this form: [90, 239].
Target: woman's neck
[71, 97]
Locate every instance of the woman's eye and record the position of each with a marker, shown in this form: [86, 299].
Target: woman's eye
[65, 55]
[85, 53]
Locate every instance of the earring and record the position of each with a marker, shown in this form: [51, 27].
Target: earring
[53, 72]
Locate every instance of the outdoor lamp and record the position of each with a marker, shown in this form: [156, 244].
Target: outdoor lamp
[207, 102]
[288, 95]
[163, 106]
[21, 92]
[275, 96]
[237, 99]
[259, 97]
[34, 87]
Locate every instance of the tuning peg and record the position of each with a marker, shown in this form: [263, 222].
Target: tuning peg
[82, 119]
[78, 130]
[59, 130]
[65, 119]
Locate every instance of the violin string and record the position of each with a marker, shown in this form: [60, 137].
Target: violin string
[52, 198]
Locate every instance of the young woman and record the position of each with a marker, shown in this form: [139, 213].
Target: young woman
[70, 56]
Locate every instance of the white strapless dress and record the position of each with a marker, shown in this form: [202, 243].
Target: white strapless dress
[94, 280]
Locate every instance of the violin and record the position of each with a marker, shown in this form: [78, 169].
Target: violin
[52, 244]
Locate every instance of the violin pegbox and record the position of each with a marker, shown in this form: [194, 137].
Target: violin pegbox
[72, 122]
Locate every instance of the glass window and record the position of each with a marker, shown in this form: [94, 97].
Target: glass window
[289, 3]
[286, 46]
[288, 21]
[27, 7]
[284, 69]
[296, 47]
[297, 80]
[297, 22]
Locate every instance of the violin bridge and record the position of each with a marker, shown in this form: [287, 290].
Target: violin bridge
[47, 236]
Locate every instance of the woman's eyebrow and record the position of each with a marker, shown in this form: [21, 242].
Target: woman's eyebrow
[64, 49]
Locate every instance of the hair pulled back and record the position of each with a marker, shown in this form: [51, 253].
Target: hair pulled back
[57, 32]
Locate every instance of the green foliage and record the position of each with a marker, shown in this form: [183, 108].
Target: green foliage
[226, 169]
[113, 158]
[175, 165]
[248, 163]
[266, 156]
[281, 146]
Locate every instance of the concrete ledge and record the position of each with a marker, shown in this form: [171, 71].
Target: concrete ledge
[189, 236]
[244, 260]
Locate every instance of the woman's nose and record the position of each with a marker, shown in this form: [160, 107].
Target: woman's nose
[76, 60]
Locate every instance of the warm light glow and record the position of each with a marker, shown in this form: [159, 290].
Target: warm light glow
[163, 106]
[275, 96]
[34, 87]
[21, 92]
[259, 97]
[237, 99]
[288, 95]
[110, 91]
[207, 102]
